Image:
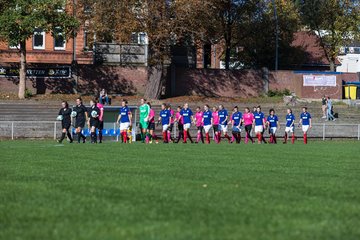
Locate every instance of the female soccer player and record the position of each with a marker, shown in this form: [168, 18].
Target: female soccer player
[124, 120]
[187, 116]
[215, 117]
[179, 121]
[151, 127]
[199, 124]
[236, 120]
[80, 118]
[165, 121]
[223, 120]
[248, 120]
[172, 119]
[207, 122]
[144, 118]
[259, 124]
[93, 121]
[273, 123]
[65, 113]
[305, 121]
[290, 122]
[101, 119]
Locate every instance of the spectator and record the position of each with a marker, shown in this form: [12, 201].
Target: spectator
[104, 99]
[323, 102]
[330, 116]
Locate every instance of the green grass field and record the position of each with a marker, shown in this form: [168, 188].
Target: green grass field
[137, 191]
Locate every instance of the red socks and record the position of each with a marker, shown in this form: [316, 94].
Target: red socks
[305, 138]
[185, 136]
[293, 139]
[165, 136]
[207, 138]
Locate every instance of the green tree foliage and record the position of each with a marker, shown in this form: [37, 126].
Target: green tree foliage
[336, 22]
[20, 18]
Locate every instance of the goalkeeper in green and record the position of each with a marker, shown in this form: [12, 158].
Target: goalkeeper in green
[144, 118]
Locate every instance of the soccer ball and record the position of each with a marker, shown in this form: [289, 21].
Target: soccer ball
[73, 114]
[94, 114]
[60, 118]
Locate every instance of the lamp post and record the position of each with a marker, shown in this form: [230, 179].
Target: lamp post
[276, 37]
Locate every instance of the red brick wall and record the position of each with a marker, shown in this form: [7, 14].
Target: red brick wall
[215, 82]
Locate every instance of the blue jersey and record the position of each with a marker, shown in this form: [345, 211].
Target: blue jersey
[305, 116]
[207, 115]
[165, 117]
[273, 120]
[124, 112]
[259, 118]
[186, 114]
[222, 116]
[289, 119]
[236, 117]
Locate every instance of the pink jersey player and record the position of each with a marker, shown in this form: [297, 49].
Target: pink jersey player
[172, 120]
[198, 118]
[248, 118]
[215, 116]
[101, 107]
[179, 118]
[151, 116]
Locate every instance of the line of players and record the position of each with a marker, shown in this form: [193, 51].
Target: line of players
[217, 119]
[78, 116]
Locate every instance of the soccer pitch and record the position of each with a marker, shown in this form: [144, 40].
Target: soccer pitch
[178, 191]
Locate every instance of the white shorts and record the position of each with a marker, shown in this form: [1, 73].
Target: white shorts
[223, 128]
[305, 128]
[289, 129]
[207, 128]
[165, 127]
[273, 130]
[259, 129]
[187, 126]
[124, 126]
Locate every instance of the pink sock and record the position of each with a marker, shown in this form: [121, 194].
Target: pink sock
[147, 139]
[198, 137]
[169, 135]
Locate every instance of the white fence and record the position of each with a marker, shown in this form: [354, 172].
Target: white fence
[52, 129]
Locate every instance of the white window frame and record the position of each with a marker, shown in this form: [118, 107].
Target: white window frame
[64, 43]
[43, 35]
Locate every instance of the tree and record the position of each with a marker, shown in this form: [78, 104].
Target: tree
[19, 19]
[335, 22]
[165, 23]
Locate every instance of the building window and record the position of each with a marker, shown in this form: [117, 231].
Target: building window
[59, 39]
[39, 39]
[139, 38]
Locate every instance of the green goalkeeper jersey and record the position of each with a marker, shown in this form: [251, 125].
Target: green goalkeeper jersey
[144, 112]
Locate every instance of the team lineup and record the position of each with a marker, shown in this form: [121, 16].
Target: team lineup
[217, 119]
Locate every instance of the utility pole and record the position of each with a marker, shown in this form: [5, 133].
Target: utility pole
[276, 36]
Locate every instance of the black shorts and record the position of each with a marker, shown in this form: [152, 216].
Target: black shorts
[216, 128]
[101, 125]
[180, 127]
[151, 126]
[80, 123]
[171, 127]
[94, 123]
[65, 125]
[248, 128]
[200, 128]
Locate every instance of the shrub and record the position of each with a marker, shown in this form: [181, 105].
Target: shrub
[278, 93]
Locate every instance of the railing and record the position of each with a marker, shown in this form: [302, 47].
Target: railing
[52, 129]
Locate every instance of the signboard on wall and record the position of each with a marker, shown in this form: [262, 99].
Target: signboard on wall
[319, 80]
[49, 72]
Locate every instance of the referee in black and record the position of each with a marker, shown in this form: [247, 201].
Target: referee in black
[81, 116]
[65, 112]
[93, 122]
